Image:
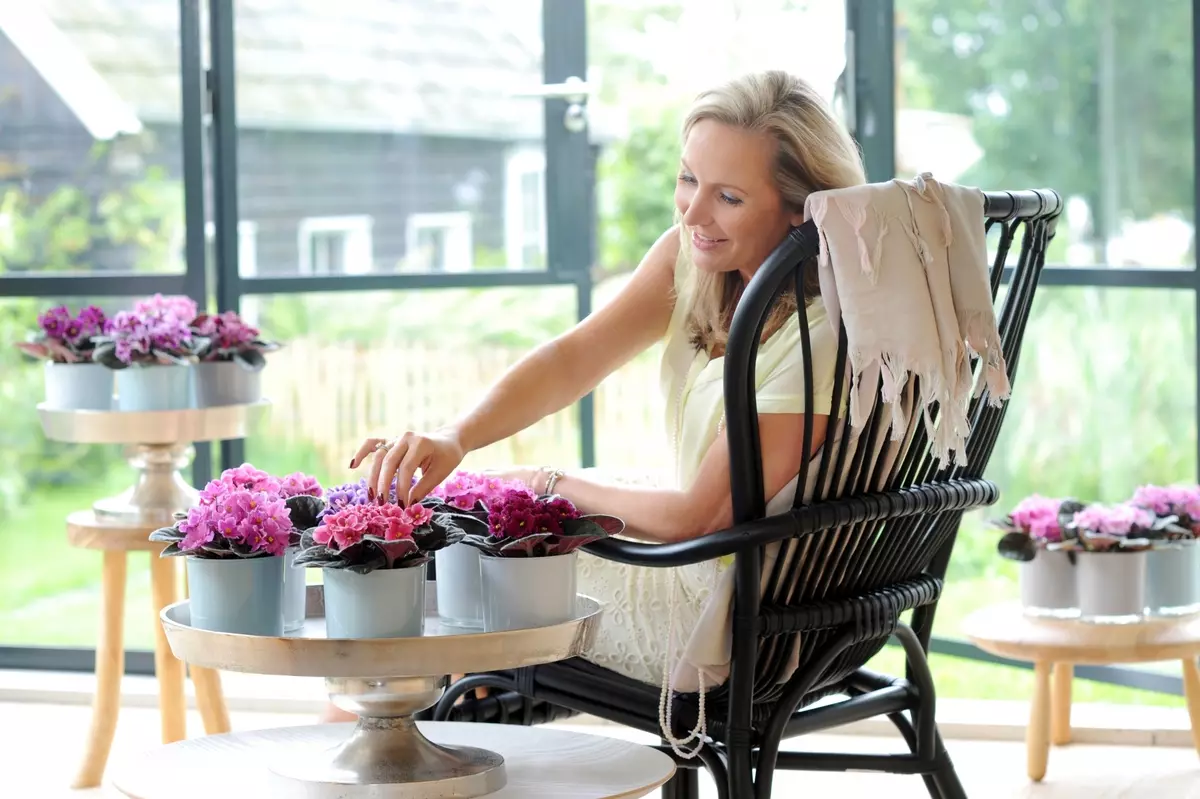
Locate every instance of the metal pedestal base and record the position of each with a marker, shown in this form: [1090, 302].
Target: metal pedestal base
[159, 491]
[387, 756]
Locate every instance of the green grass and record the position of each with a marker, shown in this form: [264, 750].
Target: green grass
[53, 599]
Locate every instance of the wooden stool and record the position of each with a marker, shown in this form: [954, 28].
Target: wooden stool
[117, 541]
[1054, 646]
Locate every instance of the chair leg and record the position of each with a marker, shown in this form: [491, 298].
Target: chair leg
[684, 785]
[945, 780]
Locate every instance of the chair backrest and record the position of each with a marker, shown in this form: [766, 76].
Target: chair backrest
[846, 561]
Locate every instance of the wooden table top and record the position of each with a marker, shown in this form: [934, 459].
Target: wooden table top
[542, 763]
[1006, 630]
[85, 531]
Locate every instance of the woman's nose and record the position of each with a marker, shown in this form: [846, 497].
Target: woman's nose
[696, 213]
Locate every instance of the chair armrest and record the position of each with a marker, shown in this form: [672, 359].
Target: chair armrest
[951, 495]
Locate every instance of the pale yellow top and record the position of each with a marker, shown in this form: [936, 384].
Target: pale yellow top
[694, 387]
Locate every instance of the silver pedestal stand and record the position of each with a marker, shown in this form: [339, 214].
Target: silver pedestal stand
[385, 681]
[158, 445]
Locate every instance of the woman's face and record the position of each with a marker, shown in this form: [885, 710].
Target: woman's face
[727, 198]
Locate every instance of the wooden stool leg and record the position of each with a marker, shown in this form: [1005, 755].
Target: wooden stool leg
[110, 667]
[1191, 689]
[1060, 716]
[172, 706]
[1037, 737]
[210, 700]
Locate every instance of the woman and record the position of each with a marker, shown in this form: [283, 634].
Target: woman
[753, 150]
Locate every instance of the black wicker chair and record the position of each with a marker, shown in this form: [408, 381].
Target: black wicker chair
[873, 543]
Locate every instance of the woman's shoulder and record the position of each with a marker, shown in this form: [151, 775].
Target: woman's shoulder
[821, 334]
[664, 252]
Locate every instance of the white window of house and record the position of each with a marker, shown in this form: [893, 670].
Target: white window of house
[439, 242]
[525, 209]
[335, 245]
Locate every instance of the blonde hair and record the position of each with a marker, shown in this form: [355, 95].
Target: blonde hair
[814, 153]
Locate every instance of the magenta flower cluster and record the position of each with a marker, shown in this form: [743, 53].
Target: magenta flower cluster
[1038, 516]
[515, 513]
[1123, 519]
[227, 334]
[245, 505]
[63, 337]
[353, 523]
[464, 490]
[176, 306]
[58, 324]
[139, 337]
[1182, 501]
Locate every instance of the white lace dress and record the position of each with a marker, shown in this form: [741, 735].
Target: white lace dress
[637, 637]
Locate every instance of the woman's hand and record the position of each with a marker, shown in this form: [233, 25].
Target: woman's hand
[436, 454]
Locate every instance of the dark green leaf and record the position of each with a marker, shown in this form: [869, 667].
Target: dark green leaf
[1017, 546]
[250, 359]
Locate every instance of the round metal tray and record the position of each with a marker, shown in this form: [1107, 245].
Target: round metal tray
[150, 427]
[441, 650]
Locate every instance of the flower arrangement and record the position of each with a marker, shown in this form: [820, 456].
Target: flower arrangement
[1176, 510]
[63, 338]
[156, 331]
[245, 513]
[363, 536]
[1109, 528]
[1035, 523]
[179, 306]
[507, 520]
[227, 337]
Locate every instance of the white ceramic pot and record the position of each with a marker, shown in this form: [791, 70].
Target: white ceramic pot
[521, 593]
[237, 595]
[1048, 585]
[295, 588]
[386, 603]
[226, 383]
[1112, 585]
[1173, 579]
[458, 586]
[154, 388]
[79, 386]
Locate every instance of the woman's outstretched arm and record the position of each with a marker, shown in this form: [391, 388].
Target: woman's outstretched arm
[548, 379]
[668, 515]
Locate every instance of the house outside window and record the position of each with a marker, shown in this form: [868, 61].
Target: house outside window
[439, 242]
[335, 245]
[525, 209]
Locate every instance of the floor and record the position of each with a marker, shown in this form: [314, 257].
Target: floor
[39, 763]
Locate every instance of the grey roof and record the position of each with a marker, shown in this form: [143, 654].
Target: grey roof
[433, 67]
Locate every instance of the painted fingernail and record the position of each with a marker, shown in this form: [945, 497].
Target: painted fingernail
[370, 495]
[352, 462]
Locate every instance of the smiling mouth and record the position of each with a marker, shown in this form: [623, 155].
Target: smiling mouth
[705, 242]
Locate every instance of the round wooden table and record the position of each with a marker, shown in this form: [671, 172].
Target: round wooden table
[1054, 646]
[116, 541]
[542, 763]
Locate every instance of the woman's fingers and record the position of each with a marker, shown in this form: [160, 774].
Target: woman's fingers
[368, 446]
[417, 456]
[389, 462]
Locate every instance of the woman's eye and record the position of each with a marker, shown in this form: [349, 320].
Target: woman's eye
[730, 200]
[686, 178]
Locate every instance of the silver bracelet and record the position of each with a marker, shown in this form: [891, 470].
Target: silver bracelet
[552, 480]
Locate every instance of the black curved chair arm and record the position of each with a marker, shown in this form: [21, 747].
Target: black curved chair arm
[932, 498]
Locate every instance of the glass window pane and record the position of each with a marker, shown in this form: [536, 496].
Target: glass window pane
[50, 593]
[1091, 99]
[90, 165]
[1105, 401]
[380, 363]
[383, 111]
[651, 59]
